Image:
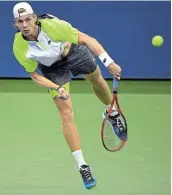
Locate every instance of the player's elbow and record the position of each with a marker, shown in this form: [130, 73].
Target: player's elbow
[34, 75]
[83, 38]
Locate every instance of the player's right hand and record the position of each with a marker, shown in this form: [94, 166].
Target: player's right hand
[115, 70]
[63, 94]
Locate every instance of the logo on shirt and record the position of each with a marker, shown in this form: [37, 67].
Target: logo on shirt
[49, 42]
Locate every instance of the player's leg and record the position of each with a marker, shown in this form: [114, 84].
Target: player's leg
[69, 128]
[100, 86]
[59, 73]
[72, 137]
[102, 91]
[84, 63]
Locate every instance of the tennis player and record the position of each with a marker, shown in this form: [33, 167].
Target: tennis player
[50, 50]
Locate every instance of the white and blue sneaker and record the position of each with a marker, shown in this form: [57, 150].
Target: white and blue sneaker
[117, 124]
[88, 180]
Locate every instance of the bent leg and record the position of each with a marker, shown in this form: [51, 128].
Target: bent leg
[99, 86]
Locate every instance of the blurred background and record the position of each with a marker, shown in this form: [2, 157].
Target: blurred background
[34, 157]
[125, 29]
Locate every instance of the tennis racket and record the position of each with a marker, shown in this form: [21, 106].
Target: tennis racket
[114, 137]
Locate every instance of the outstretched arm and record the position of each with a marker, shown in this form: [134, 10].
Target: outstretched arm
[97, 49]
[42, 81]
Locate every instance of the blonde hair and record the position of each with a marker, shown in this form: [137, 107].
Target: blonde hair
[34, 15]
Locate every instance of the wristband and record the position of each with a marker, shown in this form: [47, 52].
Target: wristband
[105, 59]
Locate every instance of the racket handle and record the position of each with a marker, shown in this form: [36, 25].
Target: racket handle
[115, 85]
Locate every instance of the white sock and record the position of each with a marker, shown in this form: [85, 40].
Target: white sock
[79, 158]
[114, 111]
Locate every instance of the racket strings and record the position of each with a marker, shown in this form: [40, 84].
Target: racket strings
[111, 140]
[115, 133]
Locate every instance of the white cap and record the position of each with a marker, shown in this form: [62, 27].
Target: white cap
[22, 9]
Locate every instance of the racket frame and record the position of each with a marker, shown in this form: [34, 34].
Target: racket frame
[114, 101]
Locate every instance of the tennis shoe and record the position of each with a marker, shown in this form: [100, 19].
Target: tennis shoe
[88, 180]
[116, 124]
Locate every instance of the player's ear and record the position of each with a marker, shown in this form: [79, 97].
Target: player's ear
[35, 18]
[14, 25]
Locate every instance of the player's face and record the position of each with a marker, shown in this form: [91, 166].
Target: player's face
[26, 24]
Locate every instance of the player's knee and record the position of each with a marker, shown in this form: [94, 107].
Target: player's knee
[66, 115]
[95, 78]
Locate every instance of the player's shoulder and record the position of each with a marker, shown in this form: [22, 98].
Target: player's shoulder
[50, 23]
[18, 38]
[49, 19]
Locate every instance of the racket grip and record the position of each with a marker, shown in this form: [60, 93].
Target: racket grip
[115, 85]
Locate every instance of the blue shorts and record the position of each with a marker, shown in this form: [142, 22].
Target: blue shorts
[78, 61]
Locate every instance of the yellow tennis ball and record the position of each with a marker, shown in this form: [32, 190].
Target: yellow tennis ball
[157, 40]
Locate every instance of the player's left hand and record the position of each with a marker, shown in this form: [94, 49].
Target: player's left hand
[115, 70]
[63, 94]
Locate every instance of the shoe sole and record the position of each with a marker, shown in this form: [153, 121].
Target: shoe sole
[91, 187]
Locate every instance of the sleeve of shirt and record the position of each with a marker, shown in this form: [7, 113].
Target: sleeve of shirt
[19, 52]
[60, 30]
[67, 32]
